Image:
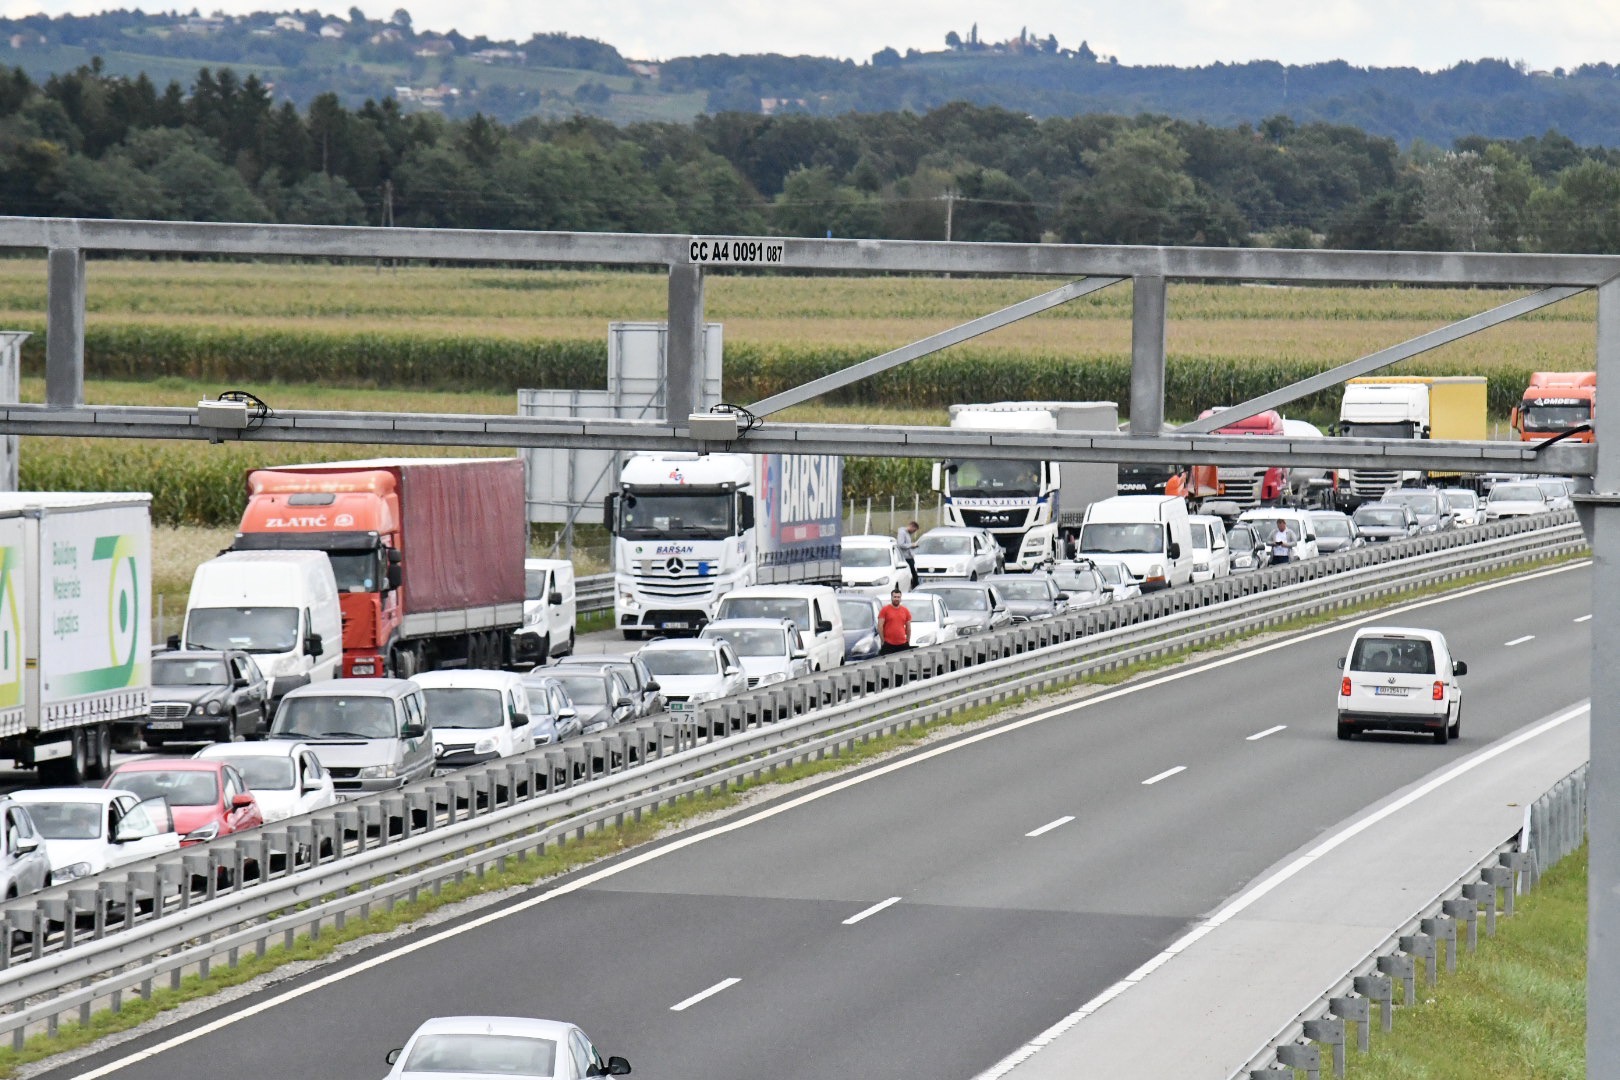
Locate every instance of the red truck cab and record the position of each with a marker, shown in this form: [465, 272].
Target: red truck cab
[1252, 485]
[1556, 402]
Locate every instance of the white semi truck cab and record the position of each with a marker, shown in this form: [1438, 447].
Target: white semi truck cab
[1380, 410]
[689, 528]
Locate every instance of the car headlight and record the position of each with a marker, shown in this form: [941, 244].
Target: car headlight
[773, 677]
[533, 617]
[1156, 570]
[627, 598]
[206, 832]
[867, 643]
[1430, 528]
[376, 772]
[71, 872]
[486, 746]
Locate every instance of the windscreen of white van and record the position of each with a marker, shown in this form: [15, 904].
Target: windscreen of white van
[1122, 537]
[261, 630]
[768, 607]
[1200, 536]
[534, 585]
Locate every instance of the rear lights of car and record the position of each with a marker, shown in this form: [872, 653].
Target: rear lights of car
[1439, 690]
[1344, 686]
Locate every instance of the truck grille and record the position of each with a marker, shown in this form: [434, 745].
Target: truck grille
[168, 710]
[1242, 486]
[674, 577]
[1372, 483]
[994, 519]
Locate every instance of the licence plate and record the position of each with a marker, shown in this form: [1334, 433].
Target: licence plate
[1389, 691]
[166, 725]
[676, 625]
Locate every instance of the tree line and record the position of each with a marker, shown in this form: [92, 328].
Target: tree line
[91, 144]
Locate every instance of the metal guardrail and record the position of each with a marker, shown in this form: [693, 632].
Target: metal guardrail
[390, 845]
[594, 592]
[1554, 826]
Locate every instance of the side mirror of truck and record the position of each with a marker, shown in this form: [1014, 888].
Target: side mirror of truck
[314, 645]
[824, 627]
[608, 507]
[1175, 550]
[745, 511]
[933, 478]
[1513, 418]
[555, 597]
[396, 557]
[174, 641]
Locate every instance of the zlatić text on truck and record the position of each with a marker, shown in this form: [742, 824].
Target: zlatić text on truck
[427, 553]
[689, 528]
[75, 629]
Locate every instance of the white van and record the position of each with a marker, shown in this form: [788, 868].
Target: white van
[549, 608]
[1264, 522]
[1211, 557]
[1148, 533]
[813, 609]
[475, 716]
[280, 607]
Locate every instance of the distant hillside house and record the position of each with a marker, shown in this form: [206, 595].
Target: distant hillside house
[292, 24]
[332, 30]
[436, 46]
[771, 105]
[203, 24]
[489, 56]
[646, 71]
[26, 39]
[386, 37]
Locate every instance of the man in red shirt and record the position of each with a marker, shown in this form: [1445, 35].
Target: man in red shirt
[894, 624]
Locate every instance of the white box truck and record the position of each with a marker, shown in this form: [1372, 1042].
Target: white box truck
[689, 528]
[75, 629]
[1025, 503]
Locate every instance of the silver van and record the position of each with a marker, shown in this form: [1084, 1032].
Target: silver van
[370, 734]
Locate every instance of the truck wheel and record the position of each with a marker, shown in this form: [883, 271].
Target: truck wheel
[403, 662]
[68, 771]
[101, 759]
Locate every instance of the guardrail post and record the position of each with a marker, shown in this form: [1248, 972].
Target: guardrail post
[1301, 1056]
[1468, 910]
[1359, 1011]
[1443, 928]
[1329, 1031]
[1422, 946]
[1518, 862]
[1484, 892]
[1498, 877]
[1403, 967]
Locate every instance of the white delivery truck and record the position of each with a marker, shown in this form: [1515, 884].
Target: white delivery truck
[75, 629]
[689, 528]
[1025, 503]
[1149, 534]
[280, 607]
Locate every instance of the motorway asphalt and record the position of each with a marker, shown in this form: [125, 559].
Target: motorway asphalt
[1035, 864]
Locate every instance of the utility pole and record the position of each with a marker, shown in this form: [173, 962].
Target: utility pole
[949, 199]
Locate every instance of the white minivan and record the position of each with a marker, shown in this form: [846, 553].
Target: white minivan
[1149, 534]
[280, 607]
[1400, 678]
[475, 715]
[549, 607]
[813, 609]
[1211, 557]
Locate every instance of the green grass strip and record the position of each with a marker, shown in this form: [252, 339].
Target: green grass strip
[614, 840]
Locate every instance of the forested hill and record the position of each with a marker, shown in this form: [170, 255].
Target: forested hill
[301, 55]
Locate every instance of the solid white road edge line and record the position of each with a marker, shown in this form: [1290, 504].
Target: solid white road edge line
[1518, 641]
[1261, 888]
[1167, 774]
[709, 993]
[873, 910]
[682, 842]
[1050, 825]
[1269, 731]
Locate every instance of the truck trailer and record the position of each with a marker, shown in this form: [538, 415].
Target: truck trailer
[75, 629]
[427, 554]
[1025, 504]
[689, 528]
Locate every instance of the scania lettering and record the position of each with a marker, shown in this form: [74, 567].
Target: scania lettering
[689, 528]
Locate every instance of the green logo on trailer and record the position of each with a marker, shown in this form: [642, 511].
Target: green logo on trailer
[123, 620]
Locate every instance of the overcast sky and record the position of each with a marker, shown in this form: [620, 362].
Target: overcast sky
[1429, 34]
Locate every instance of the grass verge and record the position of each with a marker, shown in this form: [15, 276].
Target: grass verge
[560, 859]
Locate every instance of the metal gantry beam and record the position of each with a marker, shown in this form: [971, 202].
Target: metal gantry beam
[928, 345]
[1382, 358]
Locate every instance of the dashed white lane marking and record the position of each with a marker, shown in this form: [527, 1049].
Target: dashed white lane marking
[1164, 775]
[1584, 618]
[1519, 641]
[709, 993]
[873, 910]
[1268, 731]
[1050, 825]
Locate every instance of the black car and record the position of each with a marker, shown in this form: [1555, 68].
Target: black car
[200, 695]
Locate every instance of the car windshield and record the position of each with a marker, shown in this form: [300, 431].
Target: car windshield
[1200, 536]
[686, 515]
[265, 773]
[858, 614]
[766, 607]
[752, 640]
[68, 820]
[190, 787]
[539, 698]
[1461, 498]
[866, 557]
[1355, 429]
[1024, 590]
[486, 1055]
[921, 610]
[1397, 656]
[1515, 493]
[1426, 505]
[175, 672]
[264, 630]
[682, 661]
[1554, 488]
[944, 545]
[534, 584]
[996, 478]
[584, 689]
[1380, 515]
[321, 716]
[1332, 527]
[1122, 538]
[963, 599]
[1083, 581]
[1241, 538]
[464, 707]
[1112, 573]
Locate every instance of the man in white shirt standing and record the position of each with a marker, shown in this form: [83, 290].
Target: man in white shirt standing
[1282, 543]
[907, 548]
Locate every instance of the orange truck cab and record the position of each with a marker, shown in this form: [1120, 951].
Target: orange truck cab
[427, 554]
[1555, 402]
[1252, 485]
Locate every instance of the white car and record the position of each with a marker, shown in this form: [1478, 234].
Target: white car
[1400, 678]
[1264, 522]
[1520, 498]
[1211, 559]
[1117, 576]
[1559, 492]
[475, 716]
[1466, 506]
[88, 830]
[971, 607]
[768, 648]
[694, 671]
[873, 565]
[954, 552]
[283, 774]
[928, 617]
[489, 1046]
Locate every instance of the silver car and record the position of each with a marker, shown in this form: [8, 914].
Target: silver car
[971, 607]
[1029, 596]
[550, 710]
[1379, 521]
[1519, 498]
[1427, 504]
[1335, 531]
[649, 695]
[1080, 584]
[24, 865]
[952, 552]
[513, 1046]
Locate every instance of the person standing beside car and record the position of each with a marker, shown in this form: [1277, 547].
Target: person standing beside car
[908, 549]
[894, 624]
[1282, 543]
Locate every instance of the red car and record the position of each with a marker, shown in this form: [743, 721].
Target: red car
[208, 798]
